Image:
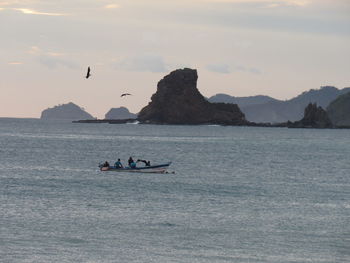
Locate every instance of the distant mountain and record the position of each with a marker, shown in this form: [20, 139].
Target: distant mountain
[119, 114]
[277, 111]
[69, 111]
[241, 101]
[339, 111]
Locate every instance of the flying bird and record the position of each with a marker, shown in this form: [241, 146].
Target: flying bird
[125, 94]
[88, 73]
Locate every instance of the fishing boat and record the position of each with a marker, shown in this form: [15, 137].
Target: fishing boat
[158, 168]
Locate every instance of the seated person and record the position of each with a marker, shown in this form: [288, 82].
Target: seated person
[106, 164]
[132, 165]
[130, 160]
[118, 164]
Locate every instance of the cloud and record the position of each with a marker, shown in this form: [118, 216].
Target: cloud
[51, 59]
[34, 12]
[263, 15]
[112, 6]
[17, 2]
[15, 63]
[55, 54]
[34, 50]
[251, 70]
[227, 69]
[219, 68]
[144, 63]
[268, 3]
[54, 62]
[255, 71]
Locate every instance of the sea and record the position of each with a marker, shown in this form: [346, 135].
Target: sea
[232, 194]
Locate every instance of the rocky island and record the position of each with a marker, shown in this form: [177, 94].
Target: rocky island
[178, 101]
[113, 116]
[69, 111]
[314, 117]
[119, 114]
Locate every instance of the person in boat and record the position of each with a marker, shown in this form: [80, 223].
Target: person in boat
[106, 164]
[118, 164]
[131, 162]
[147, 163]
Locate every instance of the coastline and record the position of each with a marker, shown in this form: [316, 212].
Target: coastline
[249, 124]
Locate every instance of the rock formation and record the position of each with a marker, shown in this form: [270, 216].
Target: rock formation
[339, 111]
[119, 113]
[178, 101]
[314, 117]
[69, 111]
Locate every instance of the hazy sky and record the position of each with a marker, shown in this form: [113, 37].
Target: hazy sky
[239, 47]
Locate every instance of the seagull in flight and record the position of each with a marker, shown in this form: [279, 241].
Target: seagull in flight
[125, 94]
[88, 73]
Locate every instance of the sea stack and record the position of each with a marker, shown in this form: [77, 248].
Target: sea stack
[178, 101]
[314, 117]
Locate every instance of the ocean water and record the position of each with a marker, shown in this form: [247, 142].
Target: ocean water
[239, 194]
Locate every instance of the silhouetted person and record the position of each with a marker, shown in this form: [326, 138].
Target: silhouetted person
[88, 73]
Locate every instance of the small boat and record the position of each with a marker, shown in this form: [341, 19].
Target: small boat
[158, 168]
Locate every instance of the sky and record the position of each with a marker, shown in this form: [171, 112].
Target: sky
[278, 48]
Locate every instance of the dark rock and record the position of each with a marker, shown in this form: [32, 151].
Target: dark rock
[120, 113]
[120, 121]
[178, 101]
[69, 111]
[339, 111]
[314, 117]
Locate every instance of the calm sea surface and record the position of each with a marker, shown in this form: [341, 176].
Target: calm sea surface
[239, 194]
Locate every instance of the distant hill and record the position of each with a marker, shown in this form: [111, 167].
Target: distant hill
[119, 114]
[241, 101]
[339, 111]
[69, 111]
[276, 111]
